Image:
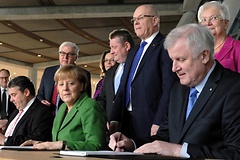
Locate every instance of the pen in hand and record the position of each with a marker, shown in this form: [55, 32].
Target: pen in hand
[118, 139]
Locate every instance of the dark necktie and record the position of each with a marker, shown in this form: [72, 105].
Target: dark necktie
[133, 70]
[3, 105]
[54, 99]
[54, 95]
[191, 100]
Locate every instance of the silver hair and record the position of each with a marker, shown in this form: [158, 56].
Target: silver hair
[71, 44]
[223, 9]
[197, 38]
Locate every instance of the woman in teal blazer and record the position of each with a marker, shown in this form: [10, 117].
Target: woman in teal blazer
[80, 123]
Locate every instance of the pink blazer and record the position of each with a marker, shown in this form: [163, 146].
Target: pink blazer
[229, 55]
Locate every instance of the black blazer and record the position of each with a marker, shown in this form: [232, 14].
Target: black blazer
[107, 94]
[36, 124]
[212, 129]
[47, 84]
[150, 87]
[11, 108]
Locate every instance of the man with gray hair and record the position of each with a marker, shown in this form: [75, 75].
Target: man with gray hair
[47, 92]
[204, 113]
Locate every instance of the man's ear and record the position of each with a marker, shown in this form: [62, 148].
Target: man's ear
[156, 20]
[26, 92]
[127, 46]
[205, 56]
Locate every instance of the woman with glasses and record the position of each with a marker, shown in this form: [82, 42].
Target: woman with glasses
[215, 16]
[106, 62]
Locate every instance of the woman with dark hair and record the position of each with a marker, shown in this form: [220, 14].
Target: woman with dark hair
[106, 62]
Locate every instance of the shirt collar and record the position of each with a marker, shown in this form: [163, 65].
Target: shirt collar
[29, 104]
[200, 86]
[150, 39]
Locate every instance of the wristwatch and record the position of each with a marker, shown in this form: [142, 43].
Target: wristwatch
[64, 144]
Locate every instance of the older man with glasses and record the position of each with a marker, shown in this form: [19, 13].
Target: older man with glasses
[47, 92]
[142, 98]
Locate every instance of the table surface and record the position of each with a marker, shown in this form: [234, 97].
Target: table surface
[54, 155]
[38, 155]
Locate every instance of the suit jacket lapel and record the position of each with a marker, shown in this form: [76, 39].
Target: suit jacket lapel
[25, 116]
[227, 47]
[203, 98]
[63, 120]
[183, 101]
[52, 82]
[128, 64]
[150, 50]
[68, 118]
[112, 78]
[13, 115]
[58, 120]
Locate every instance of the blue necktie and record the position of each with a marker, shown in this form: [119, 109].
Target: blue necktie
[133, 70]
[118, 77]
[191, 100]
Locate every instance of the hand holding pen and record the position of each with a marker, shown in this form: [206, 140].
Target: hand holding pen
[120, 143]
[118, 139]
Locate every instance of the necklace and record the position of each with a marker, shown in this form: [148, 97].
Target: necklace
[215, 48]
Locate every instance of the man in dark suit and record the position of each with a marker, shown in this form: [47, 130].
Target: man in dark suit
[151, 83]
[31, 119]
[212, 129]
[7, 107]
[68, 54]
[121, 42]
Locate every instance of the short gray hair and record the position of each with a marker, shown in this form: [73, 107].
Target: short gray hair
[71, 44]
[223, 9]
[196, 37]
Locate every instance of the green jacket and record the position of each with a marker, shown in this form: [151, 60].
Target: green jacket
[83, 128]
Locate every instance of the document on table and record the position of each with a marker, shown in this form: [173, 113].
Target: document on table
[17, 147]
[96, 153]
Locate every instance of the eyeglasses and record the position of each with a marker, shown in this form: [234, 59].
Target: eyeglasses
[63, 54]
[140, 17]
[212, 19]
[108, 60]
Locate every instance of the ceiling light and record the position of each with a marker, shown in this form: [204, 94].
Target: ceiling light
[85, 66]
[41, 40]
[39, 55]
[1, 43]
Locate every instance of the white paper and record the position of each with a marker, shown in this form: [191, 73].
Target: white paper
[95, 153]
[17, 147]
